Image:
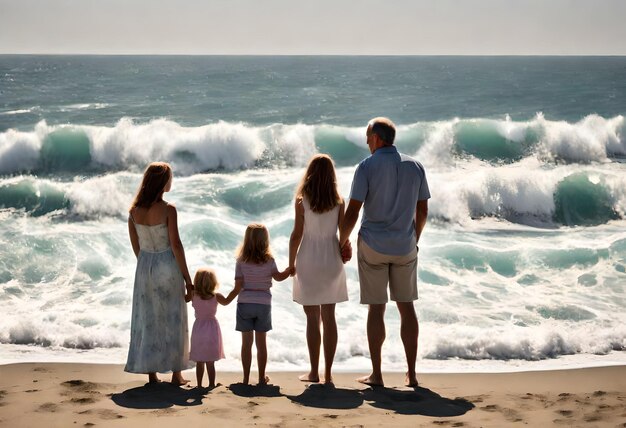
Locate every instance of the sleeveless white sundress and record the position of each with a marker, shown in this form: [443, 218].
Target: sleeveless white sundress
[320, 276]
[158, 332]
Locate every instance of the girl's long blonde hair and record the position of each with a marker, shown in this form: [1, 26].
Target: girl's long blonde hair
[205, 283]
[155, 178]
[319, 184]
[255, 247]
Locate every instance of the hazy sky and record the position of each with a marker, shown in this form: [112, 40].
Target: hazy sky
[418, 27]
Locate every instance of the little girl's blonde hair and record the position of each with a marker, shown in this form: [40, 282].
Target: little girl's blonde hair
[205, 283]
[255, 247]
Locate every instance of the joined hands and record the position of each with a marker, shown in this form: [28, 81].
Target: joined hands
[346, 251]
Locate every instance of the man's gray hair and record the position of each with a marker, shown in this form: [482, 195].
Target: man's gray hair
[384, 128]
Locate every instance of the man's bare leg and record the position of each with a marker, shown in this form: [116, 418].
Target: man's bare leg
[409, 332]
[375, 339]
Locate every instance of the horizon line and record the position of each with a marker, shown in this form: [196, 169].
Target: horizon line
[302, 55]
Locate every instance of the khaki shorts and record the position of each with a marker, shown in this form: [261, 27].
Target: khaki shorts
[376, 270]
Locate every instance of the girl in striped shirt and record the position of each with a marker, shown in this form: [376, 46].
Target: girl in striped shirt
[254, 272]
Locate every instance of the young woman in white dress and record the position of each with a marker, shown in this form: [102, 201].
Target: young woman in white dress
[316, 262]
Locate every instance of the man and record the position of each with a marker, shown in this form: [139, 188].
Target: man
[392, 188]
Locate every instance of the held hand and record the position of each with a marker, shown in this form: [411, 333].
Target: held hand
[187, 297]
[292, 270]
[346, 251]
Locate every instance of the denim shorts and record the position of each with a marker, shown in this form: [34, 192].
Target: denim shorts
[254, 316]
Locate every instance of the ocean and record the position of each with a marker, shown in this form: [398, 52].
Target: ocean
[522, 262]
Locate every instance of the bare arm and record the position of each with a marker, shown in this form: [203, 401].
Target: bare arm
[234, 293]
[349, 221]
[281, 276]
[177, 245]
[134, 239]
[296, 234]
[221, 299]
[421, 214]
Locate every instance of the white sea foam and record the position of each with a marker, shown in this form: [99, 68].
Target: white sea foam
[100, 196]
[84, 106]
[591, 139]
[18, 111]
[19, 151]
[231, 146]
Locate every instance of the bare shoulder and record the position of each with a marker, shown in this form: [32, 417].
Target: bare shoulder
[169, 207]
[299, 203]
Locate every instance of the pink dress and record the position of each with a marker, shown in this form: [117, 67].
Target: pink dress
[206, 336]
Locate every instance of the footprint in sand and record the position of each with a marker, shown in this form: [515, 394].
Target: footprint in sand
[166, 411]
[594, 417]
[105, 414]
[490, 408]
[566, 413]
[48, 407]
[81, 385]
[82, 400]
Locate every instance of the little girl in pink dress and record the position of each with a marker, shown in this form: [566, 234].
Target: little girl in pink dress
[206, 336]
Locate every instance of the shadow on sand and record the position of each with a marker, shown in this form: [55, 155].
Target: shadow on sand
[418, 401]
[243, 390]
[328, 397]
[159, 396]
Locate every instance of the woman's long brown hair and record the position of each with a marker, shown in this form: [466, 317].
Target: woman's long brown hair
[155, 178]
[319, 184]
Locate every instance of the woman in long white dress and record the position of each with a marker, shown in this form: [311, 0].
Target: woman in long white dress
[159, 333]
[316, 262]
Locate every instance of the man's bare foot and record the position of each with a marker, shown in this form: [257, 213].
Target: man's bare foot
[245, 381]
[371, 380]
[179, 381]
[152, 378]
[329, 382]
[264, 381]
[411, 381]
[309, 377]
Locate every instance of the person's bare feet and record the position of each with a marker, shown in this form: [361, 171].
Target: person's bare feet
[179, 381]
[411, 381]
[264, 381]
[153, 379]
[371, 380]
[309, 377]
[329, 381]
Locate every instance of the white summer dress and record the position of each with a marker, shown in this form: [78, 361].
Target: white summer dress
[320, 276]
[158, 330]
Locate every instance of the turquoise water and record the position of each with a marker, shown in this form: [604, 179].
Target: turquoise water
[523, 258]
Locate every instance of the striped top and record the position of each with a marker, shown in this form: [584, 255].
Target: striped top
[257, 280]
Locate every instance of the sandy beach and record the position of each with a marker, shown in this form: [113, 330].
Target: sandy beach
[65, 395]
